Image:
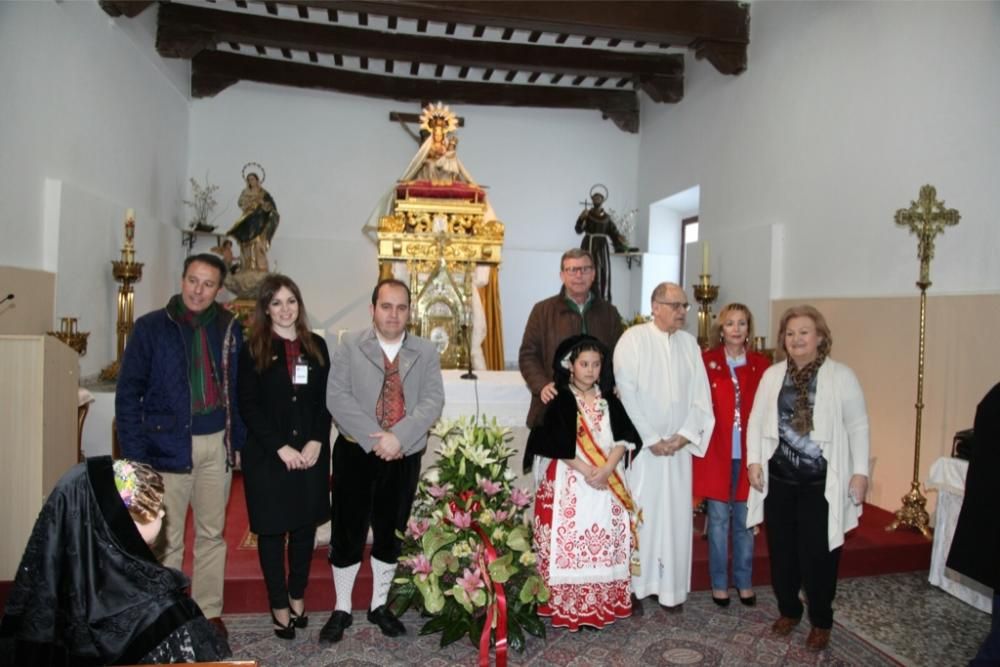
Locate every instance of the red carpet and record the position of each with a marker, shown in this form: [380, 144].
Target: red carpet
[868, 550]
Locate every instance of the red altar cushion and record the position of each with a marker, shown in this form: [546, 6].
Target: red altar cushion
[426, 189]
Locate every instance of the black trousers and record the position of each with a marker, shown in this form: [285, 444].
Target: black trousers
[271, 551]
[796, 518]
[369, 492]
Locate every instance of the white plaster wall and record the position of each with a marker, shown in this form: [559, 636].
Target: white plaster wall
[330, 157]
[847, 108]
[88, 107]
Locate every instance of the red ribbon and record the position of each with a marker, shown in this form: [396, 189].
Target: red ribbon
[498, 607]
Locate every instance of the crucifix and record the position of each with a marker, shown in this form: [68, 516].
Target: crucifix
[926, 218]
[404, 120]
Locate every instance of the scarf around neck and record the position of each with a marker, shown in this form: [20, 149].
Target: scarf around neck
[802, 417]
[205, 394]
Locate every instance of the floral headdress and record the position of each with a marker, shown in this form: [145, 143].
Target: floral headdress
[125, 481]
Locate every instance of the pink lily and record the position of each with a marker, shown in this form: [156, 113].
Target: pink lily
[420, 565]
[415, 528]
[488, 487]
[519, 497]
[438, 492]
[461, 520]
[500, 516]
[471, 581]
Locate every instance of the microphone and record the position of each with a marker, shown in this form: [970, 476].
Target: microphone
[9, 297]
[468, 375]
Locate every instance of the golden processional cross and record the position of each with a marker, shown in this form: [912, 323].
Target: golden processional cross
[926, 218]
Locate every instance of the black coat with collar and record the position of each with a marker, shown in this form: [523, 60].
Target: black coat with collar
[555, 438]
[278, 413]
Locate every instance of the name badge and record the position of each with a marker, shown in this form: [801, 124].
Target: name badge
[301, 374]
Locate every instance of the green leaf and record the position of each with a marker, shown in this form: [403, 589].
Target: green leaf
[436, 624]
[454, 631]
[431, 591]
[401, 597]
[515, 638]
[461, 597]
[518, 539]
[533, 589]
[479, 598]
[436, 538]
[501, 569]
[530, 622]
[476, 629]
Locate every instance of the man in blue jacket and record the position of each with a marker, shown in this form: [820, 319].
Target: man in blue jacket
[176, 410]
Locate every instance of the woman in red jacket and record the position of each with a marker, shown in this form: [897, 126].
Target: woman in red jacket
[721, 476]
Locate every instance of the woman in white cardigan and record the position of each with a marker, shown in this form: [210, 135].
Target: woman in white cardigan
[807, 460]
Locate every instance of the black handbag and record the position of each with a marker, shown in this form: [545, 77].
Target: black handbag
[961, 447]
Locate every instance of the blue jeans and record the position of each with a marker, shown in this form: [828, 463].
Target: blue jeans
[719, 514]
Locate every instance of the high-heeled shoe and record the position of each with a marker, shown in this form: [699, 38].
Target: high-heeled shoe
[283, 631]
[297, 620]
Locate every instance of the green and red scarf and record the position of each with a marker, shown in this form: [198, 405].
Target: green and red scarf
[206, 396]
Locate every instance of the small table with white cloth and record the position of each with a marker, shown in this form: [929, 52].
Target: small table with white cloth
[948, 477]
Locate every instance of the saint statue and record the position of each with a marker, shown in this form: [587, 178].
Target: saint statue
[600, 235]
[255, 228]
[437, 160]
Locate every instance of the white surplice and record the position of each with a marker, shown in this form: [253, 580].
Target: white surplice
[664, 388]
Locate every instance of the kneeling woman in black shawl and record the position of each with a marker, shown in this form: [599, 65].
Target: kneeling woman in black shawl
[89, 590]
[585, 518]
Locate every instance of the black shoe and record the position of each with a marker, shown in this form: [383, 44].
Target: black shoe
[636, 606]
[722, 602]
[750, 600]
[283, 631]
[386, 622]
[296, 620]
[333, 630]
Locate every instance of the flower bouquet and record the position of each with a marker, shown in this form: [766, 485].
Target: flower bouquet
[467, 561]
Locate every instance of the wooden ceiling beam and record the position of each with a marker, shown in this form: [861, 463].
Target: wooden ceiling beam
[213, 71]
[127, 8]
[183, 31]
[679, 22]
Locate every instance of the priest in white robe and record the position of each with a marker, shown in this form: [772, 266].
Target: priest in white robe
[664, 387]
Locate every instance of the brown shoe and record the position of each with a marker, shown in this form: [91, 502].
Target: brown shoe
[818, 639]
[219, 626]
[784, 626]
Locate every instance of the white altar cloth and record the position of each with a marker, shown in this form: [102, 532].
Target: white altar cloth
[948, 477]
[500, 394]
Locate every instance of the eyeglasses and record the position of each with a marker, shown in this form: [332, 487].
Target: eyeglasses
[578, 270]
[675, 305]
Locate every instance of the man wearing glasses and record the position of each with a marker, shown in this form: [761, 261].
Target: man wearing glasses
[664, 388]
[575, 310]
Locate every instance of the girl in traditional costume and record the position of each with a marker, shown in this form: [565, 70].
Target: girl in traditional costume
[585, 519]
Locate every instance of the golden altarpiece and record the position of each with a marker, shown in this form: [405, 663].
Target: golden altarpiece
[441, 237]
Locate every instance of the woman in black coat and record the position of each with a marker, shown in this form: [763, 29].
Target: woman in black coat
[286, 459]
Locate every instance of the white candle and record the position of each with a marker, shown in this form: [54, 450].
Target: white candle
[130, 214]
[704, 257]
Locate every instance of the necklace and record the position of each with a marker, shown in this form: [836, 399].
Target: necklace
[581, 389]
